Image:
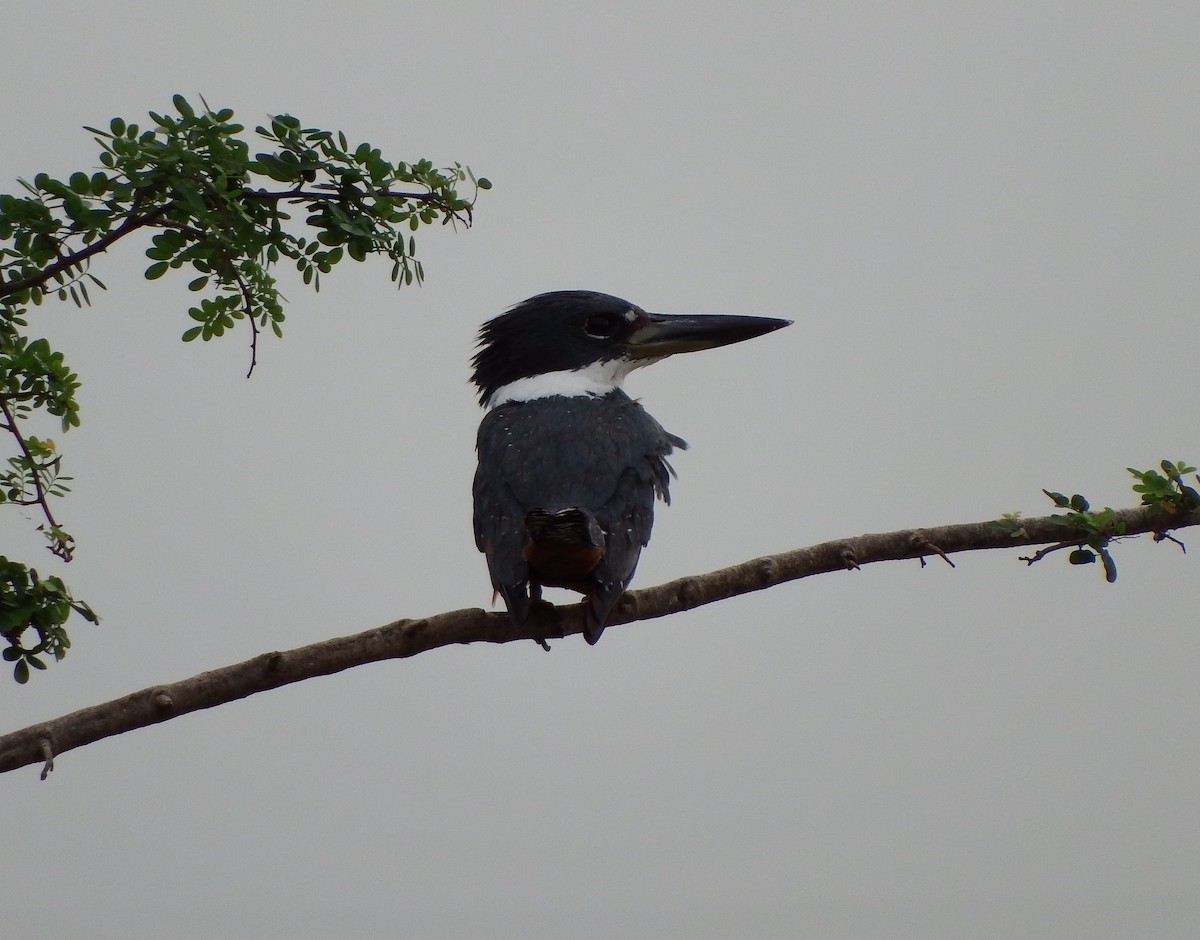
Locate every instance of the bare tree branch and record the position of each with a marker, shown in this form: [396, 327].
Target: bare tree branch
[404, 638]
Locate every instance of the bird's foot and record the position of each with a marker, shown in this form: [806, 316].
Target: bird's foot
[542, 610]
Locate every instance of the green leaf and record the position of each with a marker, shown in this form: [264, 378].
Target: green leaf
[191, 334]
[182, 106]
[157, 270]
[1110, 566]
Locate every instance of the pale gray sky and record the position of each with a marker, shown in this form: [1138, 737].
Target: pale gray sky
[983, 219]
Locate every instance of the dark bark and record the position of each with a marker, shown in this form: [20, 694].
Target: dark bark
[403, 638]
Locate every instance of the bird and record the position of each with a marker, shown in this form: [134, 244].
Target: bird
[569, 465]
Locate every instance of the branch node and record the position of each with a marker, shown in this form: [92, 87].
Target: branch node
[46, 746]
[767, 570]
[1165, 536]
[163, 701]
[689, 593]
[273, 661]
[926, 547]
[848, 558]
[627, 605]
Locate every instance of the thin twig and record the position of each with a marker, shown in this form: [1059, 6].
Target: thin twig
[298, 194]
[248, 300]
[1049, 549]
[10, 425]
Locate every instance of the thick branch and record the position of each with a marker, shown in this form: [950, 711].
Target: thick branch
[131, 224]
[404, 638]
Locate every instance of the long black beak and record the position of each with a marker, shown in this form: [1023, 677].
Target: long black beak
[664, 334]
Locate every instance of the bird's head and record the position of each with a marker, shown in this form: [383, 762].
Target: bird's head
[582, 342]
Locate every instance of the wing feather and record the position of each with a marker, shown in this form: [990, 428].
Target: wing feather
[602, 454]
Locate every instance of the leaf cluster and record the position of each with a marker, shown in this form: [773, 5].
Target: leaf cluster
[1167, 490]
[216, 210]
[1092, 532]
[42, 606]
[358, 202]
[34, 376]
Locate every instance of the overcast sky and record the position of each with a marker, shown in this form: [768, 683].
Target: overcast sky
[983, 219]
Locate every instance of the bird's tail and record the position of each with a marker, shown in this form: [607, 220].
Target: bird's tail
[563, 549]
[565, 527]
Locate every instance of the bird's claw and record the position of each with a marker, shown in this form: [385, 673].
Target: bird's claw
[545, 612]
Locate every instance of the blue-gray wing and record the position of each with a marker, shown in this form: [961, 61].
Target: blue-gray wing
[604, 455]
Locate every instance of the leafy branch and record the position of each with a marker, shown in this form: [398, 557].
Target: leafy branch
[29, 603]
[215, 209]
[1093, 531]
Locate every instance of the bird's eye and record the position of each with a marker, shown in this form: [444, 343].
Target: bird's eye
[601, 325]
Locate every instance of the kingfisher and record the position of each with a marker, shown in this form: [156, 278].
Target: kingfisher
[569, 465]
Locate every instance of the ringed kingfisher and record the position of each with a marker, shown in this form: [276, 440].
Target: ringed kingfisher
[569, 465]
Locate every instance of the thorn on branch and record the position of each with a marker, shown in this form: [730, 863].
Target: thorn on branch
[848, 558]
